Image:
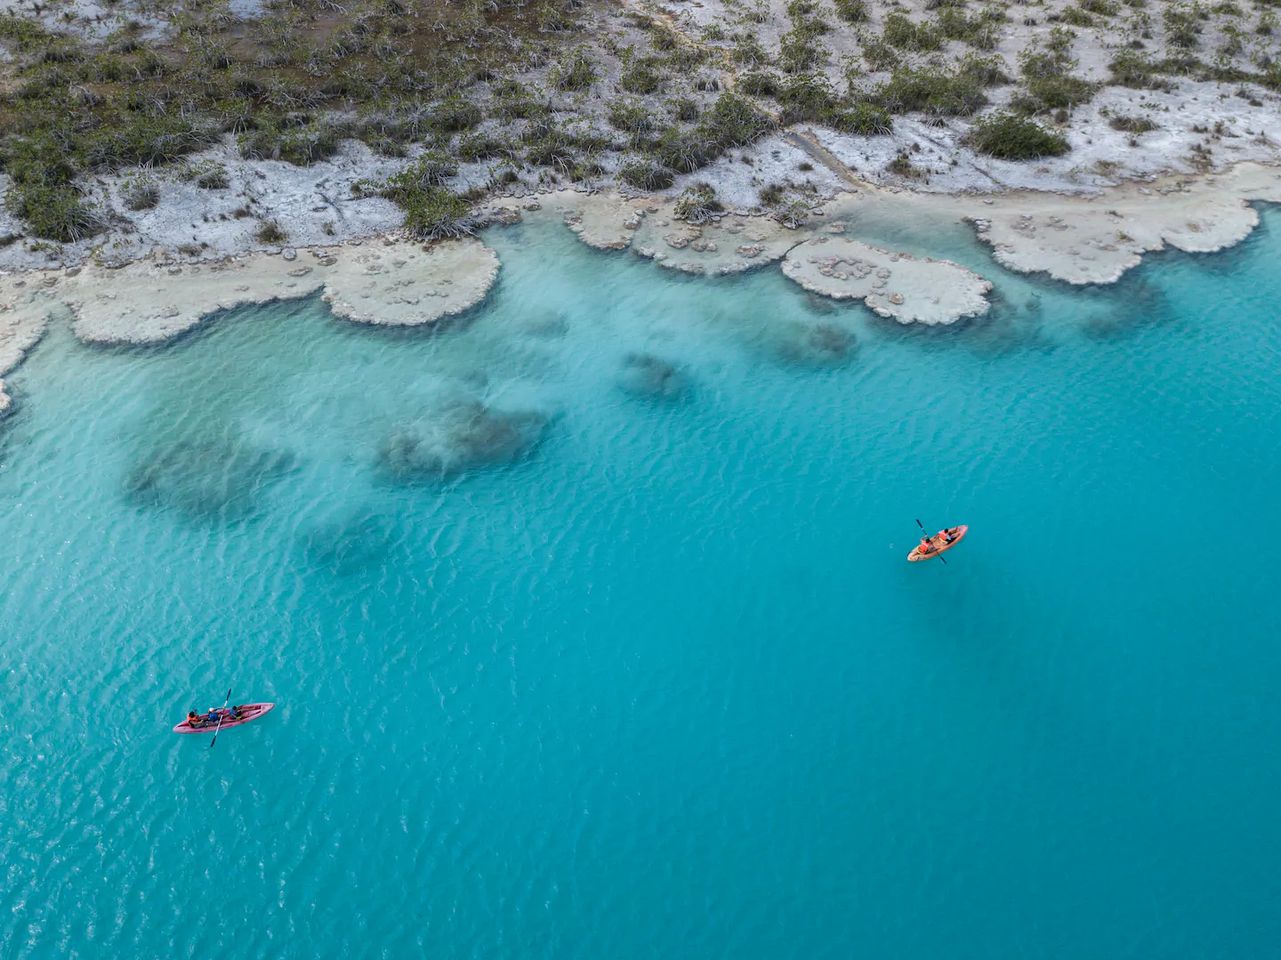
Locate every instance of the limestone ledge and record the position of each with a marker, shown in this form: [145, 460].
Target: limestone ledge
[1096, 238]
[1073, 238]
[24, 317]
[907, 289]
[391, 283]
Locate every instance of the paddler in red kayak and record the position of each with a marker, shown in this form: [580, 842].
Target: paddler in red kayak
[197, 720]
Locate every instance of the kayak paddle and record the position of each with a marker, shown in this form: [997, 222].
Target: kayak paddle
[223, 716]
[923, 530]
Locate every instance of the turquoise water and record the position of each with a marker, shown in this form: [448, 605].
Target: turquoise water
[657, 683]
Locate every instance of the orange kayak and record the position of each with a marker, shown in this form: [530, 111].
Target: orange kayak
[938, 544]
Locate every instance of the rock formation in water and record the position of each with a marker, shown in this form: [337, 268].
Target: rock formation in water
[353, 543]
[211, 477]
[651, 377]
[822, 344]
[462, 438]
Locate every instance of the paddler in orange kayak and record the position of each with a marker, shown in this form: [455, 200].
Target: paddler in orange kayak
[931, 547]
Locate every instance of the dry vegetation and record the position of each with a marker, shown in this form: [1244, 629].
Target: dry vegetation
[561, 91]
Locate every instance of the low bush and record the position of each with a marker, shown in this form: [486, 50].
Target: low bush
[805, 98]
[269, 231]
[799, 51]
[576, 72]
[902, 32]
[641, 77]
[455, 114]
[432, 212]
[1129, 68]
[644, 175]
[1008, 136]
[931, 90]
[630, 117]
[852, 11]
[1129, 124]
[300, 145]
[54, 211]
[698, 205]
[760, 84]
[140, 195]
[862, 119]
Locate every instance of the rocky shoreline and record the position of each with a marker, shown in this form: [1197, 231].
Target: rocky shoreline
[393, 281]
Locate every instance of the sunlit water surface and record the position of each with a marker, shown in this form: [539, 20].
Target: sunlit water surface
[660, 684]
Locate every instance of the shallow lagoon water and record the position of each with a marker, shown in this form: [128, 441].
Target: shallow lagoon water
[659, 684]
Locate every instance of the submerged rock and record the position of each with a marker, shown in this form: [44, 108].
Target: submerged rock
[462, 438]
[351, 544]
[220, 477]
[548, 324]
[821, 344]
[645, 375]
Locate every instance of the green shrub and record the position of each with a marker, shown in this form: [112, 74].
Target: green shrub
[299, 145]
[879, 55]
[931, 90]
[1008, 136]
[479, 146]
[644, 175]
[683, 151]
[862, 119]
[1182, 26]
[432, 212]
[685, 109]
[269, 231]
[1128, 124]
[520, 108]
[748, 51]
[1056, 93]
[979, 31]
[852, 11]
[432, 169]
[139, 194]
[985, 71]
[805, 98]
[630, 117]
[698, 204]
[641, 77]
[550, 146]
[902, 32]
[128, 139]
[1076, 17]
[798, 52]
[760, 84]
[455, 114]
[54, 211]
[1129, 68]
[576, 72]
[733, 122]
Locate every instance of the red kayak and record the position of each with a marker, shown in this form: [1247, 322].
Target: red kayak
[248, 712]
